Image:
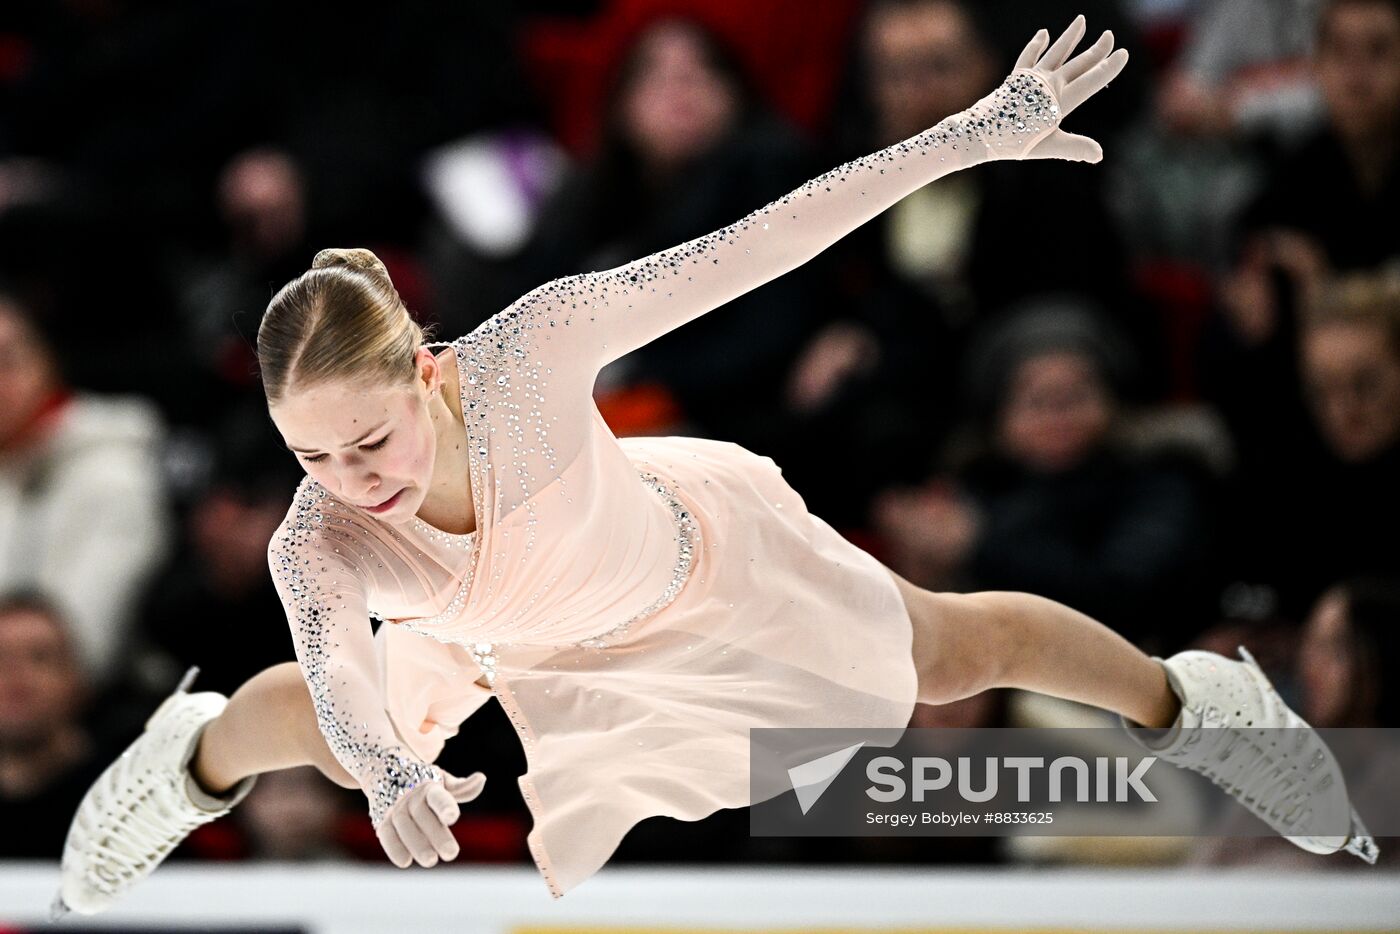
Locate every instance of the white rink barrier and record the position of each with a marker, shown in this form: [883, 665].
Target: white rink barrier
[336, 899]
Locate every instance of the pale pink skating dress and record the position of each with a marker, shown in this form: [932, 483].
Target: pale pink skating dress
[638, 604]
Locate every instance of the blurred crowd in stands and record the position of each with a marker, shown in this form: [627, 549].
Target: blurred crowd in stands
[1164, 390]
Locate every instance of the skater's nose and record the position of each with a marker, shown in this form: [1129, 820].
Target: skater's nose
[365, 492]
[358, 483]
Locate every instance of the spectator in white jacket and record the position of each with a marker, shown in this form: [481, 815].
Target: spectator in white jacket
[83, 514]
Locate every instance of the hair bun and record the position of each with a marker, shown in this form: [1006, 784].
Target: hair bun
[354, 258]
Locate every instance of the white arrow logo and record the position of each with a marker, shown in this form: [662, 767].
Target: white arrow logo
[811, 779]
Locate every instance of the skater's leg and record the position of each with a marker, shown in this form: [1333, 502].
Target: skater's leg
[269, 724]
[967, 643]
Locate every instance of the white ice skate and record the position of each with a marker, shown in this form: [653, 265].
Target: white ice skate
[1228, 731]
[142, 806]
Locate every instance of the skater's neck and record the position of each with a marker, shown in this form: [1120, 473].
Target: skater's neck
[448, 505]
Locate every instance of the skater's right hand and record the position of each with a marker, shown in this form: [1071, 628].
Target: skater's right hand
[1070, 81]
[416, 828]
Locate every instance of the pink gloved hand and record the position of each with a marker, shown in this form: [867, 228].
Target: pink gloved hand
[1070, 81]
[415, 829]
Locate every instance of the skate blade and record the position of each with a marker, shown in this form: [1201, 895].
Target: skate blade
[1361, 844]
[182, 688]
[58, 909]
[188, 680]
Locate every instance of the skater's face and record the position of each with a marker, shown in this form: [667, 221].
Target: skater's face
[1351, 371]
[372, 445]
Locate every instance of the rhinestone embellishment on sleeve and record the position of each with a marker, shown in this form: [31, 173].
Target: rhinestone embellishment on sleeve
[499, 355]
[1013, 115]
[395, 775]
[296, 554]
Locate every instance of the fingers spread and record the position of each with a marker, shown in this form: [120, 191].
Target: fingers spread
[1092, 81]
[1088, 58]
[1057, 53]
[393, 847]
[1033, 49]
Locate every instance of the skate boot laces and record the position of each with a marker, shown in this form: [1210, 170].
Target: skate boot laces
[141, 807]
[1235, 730]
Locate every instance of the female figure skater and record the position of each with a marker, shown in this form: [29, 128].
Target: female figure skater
[636, 604]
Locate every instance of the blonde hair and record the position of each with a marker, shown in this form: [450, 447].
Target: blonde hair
[342, 319]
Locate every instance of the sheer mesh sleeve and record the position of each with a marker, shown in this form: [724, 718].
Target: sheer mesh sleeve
[313, 557]
[602, 315]
[536, 361]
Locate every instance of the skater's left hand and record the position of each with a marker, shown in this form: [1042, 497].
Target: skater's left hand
[1072, 81]
[416, 828]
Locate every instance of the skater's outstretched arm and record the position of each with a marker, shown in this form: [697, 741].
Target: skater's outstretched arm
[594, 318]
[411, 802]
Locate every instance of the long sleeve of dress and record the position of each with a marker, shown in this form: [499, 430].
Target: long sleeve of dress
[595, 318]
[534, 363]
[312, 557]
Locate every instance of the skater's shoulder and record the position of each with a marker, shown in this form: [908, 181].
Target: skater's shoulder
[318, 520]
[318, 551]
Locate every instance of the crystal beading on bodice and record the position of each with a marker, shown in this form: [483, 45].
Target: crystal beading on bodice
[485, 653]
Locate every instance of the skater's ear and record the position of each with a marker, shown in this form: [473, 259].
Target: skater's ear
[429, 373]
